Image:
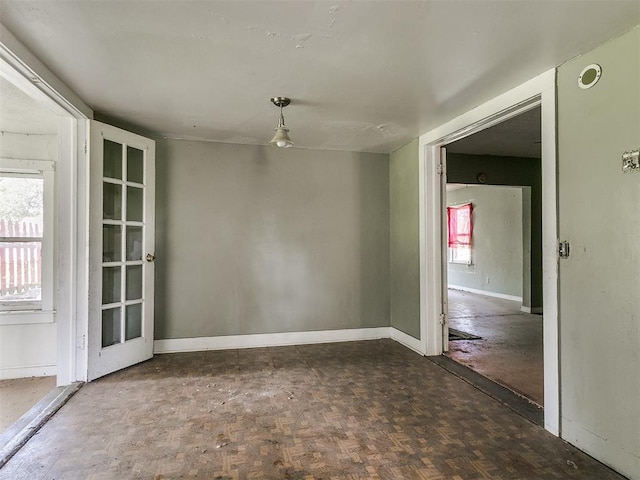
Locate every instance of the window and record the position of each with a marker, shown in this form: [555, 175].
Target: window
[460, 231]
[26, 238]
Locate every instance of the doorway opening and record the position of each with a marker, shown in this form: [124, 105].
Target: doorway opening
[28, 153]
[494, 290]
[42, 276]
[537, 92]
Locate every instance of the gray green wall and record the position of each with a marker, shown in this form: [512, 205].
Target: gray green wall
[497, 240]
[599, 293]
[516, 172]
[262, 240]
[405, 240]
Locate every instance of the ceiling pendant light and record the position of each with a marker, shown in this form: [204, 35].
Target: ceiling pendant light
[281, 138]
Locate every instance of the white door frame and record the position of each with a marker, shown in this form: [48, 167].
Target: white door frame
[537, 91]
[25, 71]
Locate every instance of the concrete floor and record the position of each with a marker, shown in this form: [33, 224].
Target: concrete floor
[510, 351]
[18, 395]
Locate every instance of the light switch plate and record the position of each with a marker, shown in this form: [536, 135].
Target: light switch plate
[631, 161]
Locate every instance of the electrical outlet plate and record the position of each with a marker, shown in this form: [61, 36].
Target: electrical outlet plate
[631, 161]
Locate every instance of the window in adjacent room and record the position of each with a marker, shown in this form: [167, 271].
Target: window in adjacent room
[460, 231]
[26, 235]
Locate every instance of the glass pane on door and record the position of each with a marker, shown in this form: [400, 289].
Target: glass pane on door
[111, 243]
[135, 165]
[134, 243]
[112, 166]
[134, 282]
[111, 201]
[111, 285]
[110, 327]
[133, 321]
[134, 204]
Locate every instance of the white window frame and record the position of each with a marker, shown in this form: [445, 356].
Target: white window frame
[456, 257]
[43, 311]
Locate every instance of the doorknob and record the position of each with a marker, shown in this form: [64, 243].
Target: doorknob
[150, 258]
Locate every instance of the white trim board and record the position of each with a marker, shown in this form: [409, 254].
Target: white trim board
[408, 341]
[13, 317]
[26, 372]
[487, 293]
[229, 342]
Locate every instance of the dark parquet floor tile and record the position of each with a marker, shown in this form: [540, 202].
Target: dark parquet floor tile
[359, 410]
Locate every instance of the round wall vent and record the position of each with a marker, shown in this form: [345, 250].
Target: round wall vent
[589, 76]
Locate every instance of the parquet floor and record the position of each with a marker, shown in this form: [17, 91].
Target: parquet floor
[360, 410]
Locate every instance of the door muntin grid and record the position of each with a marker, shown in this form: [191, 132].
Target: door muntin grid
[123, 185]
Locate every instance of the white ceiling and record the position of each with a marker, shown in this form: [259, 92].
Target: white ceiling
[19, 113]
[362, 76]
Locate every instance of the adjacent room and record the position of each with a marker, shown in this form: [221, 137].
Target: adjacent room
[494, 254]
[244, 265]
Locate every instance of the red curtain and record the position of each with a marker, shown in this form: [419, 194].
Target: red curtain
[460, 225]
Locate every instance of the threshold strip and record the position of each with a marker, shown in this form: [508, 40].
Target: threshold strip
[18, 434]
[512, 400]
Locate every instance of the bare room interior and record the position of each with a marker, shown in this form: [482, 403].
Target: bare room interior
[495, 282]
[227, 247]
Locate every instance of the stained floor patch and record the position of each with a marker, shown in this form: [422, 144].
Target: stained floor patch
[510, 351]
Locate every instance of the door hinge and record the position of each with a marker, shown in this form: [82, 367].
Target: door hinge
[564, 249]
[85, 147]
[440, 169]
[443, 318]
[83, 342]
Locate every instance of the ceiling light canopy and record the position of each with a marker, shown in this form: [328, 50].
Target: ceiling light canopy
[281, 138]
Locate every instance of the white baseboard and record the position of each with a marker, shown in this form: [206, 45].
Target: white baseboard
[408, 341]
[487, 293]
[535, 310]
[196, 344]
[26, 372]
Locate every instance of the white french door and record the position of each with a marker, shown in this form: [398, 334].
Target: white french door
[121, 249]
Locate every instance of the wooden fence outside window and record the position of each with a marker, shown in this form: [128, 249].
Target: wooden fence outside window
[20, 260]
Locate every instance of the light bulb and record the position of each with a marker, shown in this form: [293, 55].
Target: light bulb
[281, 143]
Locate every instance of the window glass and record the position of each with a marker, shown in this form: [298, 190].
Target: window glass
[460, 255]
[460, 231]
[21, 236]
